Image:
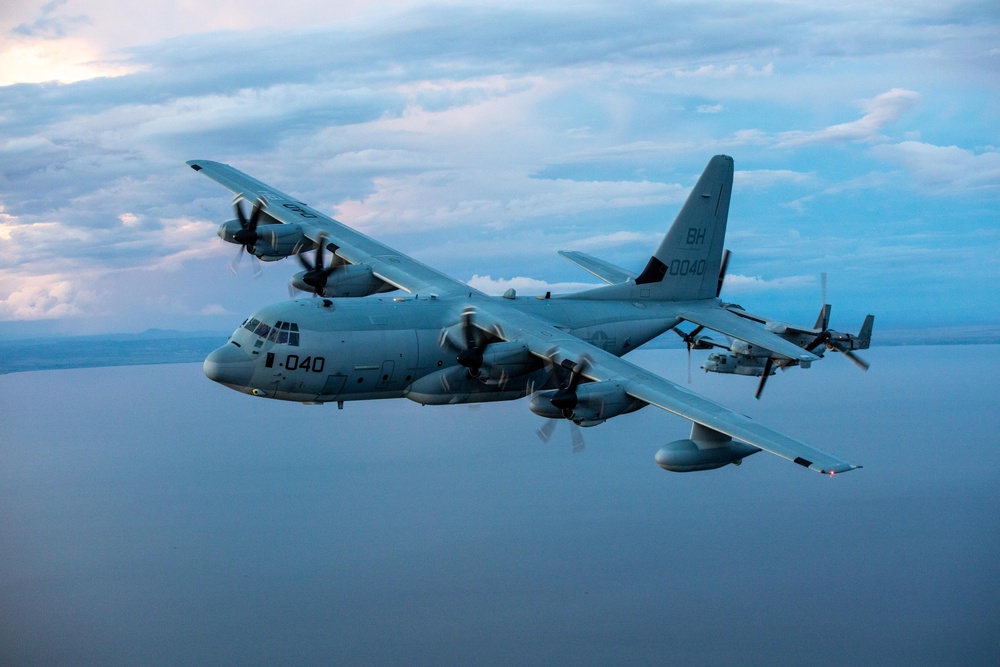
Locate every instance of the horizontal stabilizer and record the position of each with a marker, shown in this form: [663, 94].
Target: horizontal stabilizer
[606, 271]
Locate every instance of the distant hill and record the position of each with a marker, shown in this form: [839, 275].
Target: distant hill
[155, 346]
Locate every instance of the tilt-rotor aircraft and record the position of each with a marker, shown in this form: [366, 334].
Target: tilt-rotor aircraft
[447, 343]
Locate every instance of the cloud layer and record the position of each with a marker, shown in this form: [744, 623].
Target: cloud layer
[482, 138]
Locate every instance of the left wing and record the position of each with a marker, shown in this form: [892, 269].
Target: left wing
[550, 343]
[352, 246]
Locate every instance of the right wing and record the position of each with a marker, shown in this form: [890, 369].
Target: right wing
[550, 343]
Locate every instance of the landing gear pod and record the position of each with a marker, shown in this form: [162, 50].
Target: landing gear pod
[706, 449]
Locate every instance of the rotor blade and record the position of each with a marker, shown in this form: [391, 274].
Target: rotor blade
[257, 268]
[763, 378]
[722, 272]
[820, 339]
[689, 364]
[576, 433]
[858, 361]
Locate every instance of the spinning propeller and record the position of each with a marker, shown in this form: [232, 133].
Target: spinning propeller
[471, 356]
[317, 273]
[690, 340]
[568, 375]
[247, 235]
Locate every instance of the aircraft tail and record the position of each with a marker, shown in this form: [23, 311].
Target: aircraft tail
[686, 265]
[865, 335]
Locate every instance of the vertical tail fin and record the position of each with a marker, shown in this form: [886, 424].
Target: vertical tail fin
[865, 335]
[687, 263]
[823, 321]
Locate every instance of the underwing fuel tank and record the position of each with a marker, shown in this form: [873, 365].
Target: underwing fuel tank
[704, 450]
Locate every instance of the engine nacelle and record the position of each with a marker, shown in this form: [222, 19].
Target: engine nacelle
[274, 240]
[595, 402]
[453, 385]
[347, 280]
[505, 360]
[706, 449]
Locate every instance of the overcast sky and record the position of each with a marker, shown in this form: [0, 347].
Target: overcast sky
[482, 137]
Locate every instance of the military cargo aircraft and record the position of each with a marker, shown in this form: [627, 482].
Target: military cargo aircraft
[444, 342]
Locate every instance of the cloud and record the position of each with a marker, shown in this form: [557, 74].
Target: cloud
[46, 296]
[882, 110]
[726, 72]
[50, 25]
[616, 239]
[769, 178]
[525, 286]
[740, 284]
[710, 108]
[945, 169]
[482, 134]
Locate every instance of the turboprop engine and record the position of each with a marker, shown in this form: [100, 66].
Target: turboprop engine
[339, 279]
[262, 235]
[490, 361]
[706, 449]
[343, 280]
[586, 404]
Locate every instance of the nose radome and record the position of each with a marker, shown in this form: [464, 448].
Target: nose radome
[229, 365]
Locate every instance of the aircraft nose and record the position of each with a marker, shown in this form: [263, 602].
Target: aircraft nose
[229, 365]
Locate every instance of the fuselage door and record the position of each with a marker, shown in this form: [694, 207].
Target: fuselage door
[385, 374]
[334, 385]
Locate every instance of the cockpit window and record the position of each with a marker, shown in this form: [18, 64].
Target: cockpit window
[282, 333]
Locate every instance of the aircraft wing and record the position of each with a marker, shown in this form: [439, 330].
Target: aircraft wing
[550, 343]
[606, 271]
[729, 323]
[387, 264]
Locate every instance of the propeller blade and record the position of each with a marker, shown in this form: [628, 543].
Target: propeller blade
[257, 268]
[472, 355]
[234, 263]
[545, 430]
[576, 433]
[768, 365]
[240, 215]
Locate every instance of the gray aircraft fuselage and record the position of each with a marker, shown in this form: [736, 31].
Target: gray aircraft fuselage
[391, 347]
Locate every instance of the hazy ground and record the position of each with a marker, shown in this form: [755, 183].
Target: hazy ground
[148, 516]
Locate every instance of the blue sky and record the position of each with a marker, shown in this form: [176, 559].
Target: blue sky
[482, 137]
